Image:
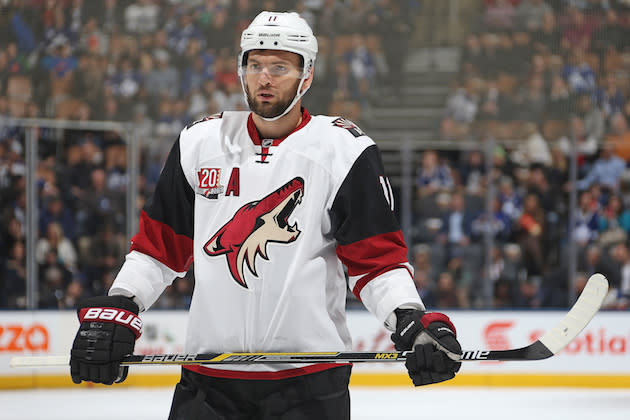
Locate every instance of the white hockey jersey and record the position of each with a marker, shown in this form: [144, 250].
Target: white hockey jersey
[269, 223]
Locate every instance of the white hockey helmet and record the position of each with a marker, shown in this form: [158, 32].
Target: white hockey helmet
[279, 31]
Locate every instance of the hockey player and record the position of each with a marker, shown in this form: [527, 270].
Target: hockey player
[269, 204]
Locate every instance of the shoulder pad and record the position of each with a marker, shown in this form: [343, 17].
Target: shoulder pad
[211, 117]
[348, 125]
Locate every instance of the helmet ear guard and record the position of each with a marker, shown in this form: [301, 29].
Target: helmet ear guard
[284, 32]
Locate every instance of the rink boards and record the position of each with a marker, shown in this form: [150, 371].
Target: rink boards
[599, 357]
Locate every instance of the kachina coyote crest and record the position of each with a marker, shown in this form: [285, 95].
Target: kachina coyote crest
[253, 226]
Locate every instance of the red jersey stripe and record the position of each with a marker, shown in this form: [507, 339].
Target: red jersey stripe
[158, 240]
[373, 256]
[281, 374]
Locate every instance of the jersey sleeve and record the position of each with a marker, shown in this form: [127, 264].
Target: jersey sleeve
[163, 247]
[369, 240]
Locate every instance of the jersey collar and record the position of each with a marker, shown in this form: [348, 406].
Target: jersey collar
[253, 131]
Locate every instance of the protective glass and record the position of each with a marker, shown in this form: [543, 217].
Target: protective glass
[273, 70]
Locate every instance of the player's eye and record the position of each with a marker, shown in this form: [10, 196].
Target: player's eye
[254, 68]
[278, 70]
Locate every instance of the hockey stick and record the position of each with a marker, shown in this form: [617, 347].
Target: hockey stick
[551, 343]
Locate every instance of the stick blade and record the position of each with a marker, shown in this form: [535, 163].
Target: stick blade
[579, 316]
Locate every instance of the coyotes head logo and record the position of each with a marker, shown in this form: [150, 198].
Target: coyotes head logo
[255, 225]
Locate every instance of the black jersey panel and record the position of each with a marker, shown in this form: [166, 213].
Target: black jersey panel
[166, 222]
[173, 200]
[362, 207]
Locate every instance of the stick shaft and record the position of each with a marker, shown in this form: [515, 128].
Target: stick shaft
[252, 358]
[551, 343]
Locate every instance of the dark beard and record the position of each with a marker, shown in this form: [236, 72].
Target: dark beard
[266, 110]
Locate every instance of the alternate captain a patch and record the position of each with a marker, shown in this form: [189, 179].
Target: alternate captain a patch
[348, 125]
[208, 182]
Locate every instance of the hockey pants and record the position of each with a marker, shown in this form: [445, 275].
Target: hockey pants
[321, 395]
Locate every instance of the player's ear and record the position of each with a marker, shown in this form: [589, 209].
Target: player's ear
[308, 80]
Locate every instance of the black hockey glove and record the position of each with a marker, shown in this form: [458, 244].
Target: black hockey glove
[109, 329]
[433, 339]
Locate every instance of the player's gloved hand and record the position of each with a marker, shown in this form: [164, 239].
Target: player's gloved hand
[433, 339]
[109, 328]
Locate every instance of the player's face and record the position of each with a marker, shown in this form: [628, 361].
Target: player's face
[271, 78]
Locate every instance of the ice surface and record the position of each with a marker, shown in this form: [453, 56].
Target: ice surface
[429, 403]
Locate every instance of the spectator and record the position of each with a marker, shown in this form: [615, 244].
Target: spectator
[397, 27]
[445, 292]
[546, 39]
[606, 170]
[610, 98]
[533, 149]
[472, 60]
[56, 241]
[60, 66]
[539, 184]
[494, 223]
[499, 15]
[97, 205]
[577, 33]
[183, 34]
[73, 294]
[163, 80]
[529, 294]
[92, 40]
[423, 286]
[330, 19]
[610, 35]
[472, 173]
[101, 254]
[593, 259]
[461, 267]
[56, 211]
[586, 224]
[125, 84]
[142, 17]
[491, 55]
[508, 60]
[502, 296]
[462, 106]
[619, 137]
[354, 12]
[619, 296]
[559, 103]
[89, 80]
[456, 230]
[14, 288]
[614, 222]
[362, 65]
[585, 146]
[511, 200]
[53, 279]
[219, 35]
[111, 15]
[344, 84]
[433, 176]
[531, 101]
[56, 32]
[531, 227]
[529, 14]
[594, 124]
[578, 73]
[523, 49]
[166, 124]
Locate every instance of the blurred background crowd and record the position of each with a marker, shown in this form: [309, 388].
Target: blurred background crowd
[545, 83]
